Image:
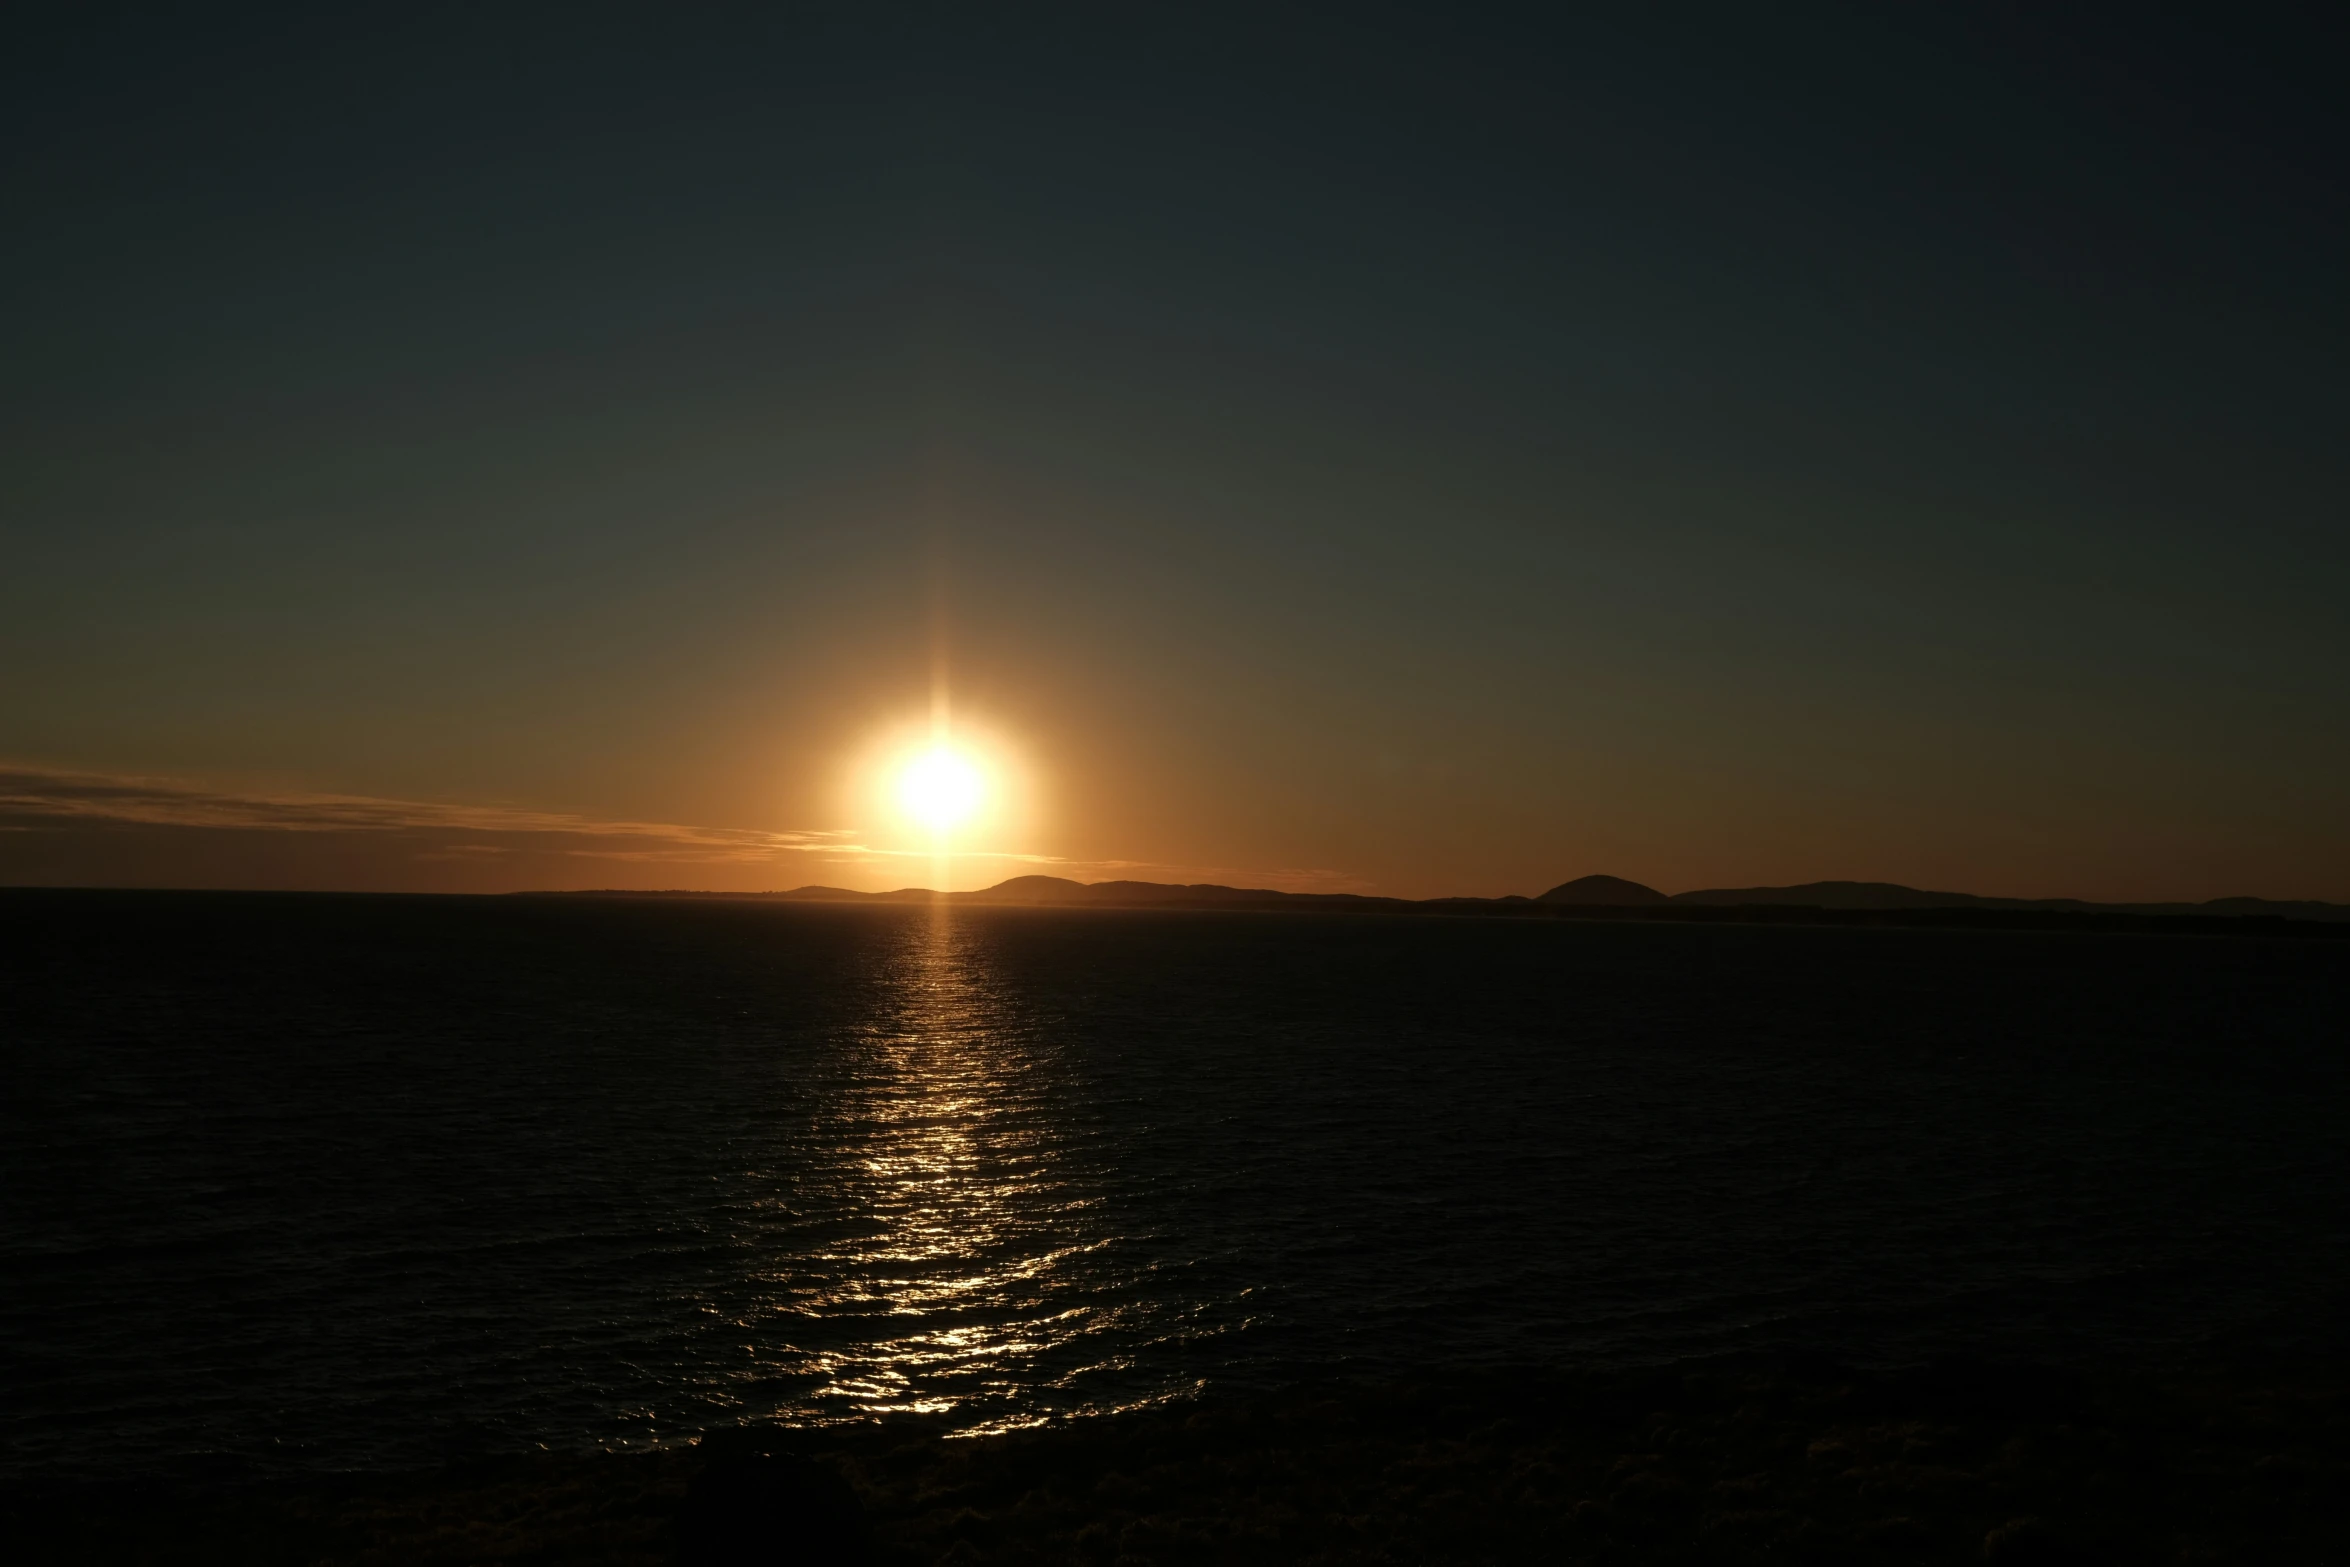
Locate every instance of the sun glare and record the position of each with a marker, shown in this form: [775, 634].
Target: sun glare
[940, 789]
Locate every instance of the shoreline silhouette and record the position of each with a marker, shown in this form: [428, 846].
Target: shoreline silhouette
[1608, 897]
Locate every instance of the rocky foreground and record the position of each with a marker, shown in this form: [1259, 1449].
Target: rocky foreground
[1777, 1463]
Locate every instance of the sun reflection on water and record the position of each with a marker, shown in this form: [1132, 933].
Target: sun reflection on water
[958, 1258]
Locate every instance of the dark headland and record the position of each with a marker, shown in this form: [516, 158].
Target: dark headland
[1612, 897]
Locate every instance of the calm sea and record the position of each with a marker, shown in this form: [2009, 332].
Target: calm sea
[294, 1181]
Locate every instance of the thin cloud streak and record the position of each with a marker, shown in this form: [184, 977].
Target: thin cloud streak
[1290, 880]
[38, 800]
[32, 799]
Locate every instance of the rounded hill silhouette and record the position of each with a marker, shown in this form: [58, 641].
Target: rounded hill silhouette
[1611, 891]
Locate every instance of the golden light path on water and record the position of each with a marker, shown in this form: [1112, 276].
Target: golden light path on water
[965, 1266]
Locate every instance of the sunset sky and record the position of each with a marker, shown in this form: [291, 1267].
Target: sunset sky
[1408, 453]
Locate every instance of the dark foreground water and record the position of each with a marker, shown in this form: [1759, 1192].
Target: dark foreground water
[331, 1182]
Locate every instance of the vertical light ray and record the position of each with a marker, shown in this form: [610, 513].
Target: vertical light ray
[942, 869]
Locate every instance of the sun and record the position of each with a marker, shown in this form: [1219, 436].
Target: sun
[941, 789]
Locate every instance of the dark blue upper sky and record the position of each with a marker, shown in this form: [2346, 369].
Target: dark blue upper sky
[1410, 449]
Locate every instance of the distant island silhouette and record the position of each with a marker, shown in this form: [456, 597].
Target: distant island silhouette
[1613, 897]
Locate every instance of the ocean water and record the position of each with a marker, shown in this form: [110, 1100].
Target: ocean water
[299, 1182]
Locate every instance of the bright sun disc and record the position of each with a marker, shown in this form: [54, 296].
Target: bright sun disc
[940, 789]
